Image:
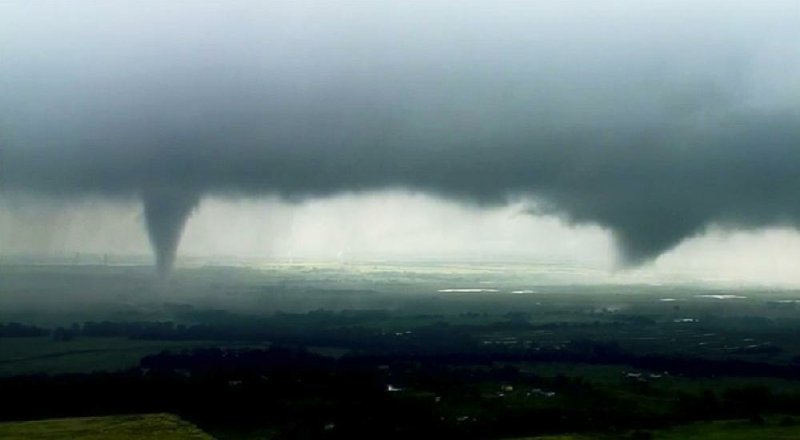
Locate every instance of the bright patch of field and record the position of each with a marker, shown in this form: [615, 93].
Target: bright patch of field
[150, 426]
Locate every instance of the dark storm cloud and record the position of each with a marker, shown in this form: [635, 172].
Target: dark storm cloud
[652, 121]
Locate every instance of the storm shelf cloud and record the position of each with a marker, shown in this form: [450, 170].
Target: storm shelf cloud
[651, 119]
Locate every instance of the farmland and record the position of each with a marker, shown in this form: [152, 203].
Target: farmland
[336, 351]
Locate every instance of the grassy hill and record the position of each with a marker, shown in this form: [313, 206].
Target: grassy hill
[151, 426]
[772, 429]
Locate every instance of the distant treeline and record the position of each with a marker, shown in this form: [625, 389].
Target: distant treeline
[449, 342]
[17, 330]
[348, 329]
[221, 325]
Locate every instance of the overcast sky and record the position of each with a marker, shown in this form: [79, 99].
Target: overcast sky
[604, 131]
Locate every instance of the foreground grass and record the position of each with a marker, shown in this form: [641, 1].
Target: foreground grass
[150, 426]
[731, 430]
[772, 429]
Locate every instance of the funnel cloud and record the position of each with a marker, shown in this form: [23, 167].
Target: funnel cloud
[165, 215]
[652, 120]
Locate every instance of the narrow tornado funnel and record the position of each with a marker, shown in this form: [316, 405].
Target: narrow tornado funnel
[166, 212]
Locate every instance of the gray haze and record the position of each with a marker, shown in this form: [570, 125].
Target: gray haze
[652, 119]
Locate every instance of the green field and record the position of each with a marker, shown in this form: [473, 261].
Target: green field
[732, 430]
[150, 426]
[502, 350]
[771, 429]
[45, 355]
